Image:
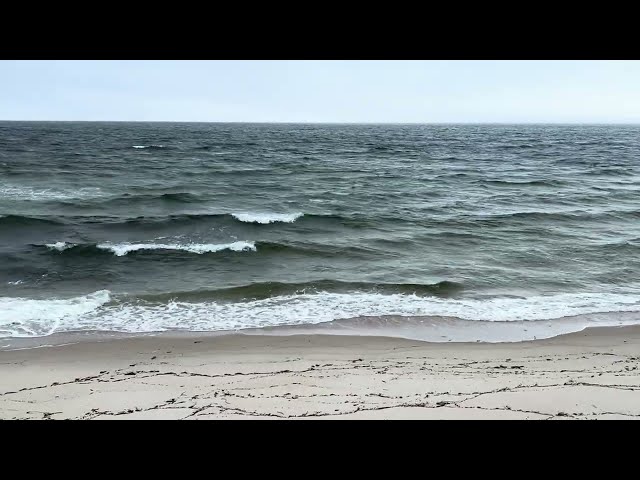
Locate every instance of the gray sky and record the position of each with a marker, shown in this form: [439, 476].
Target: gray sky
[322, 91]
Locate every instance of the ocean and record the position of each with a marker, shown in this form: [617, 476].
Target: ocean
[435, 232]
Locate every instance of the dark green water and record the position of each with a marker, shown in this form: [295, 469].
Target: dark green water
[147, 227]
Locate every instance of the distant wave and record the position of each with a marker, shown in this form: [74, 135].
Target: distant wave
[263, 290]
[83, 200]
[515, 146]
[60, 246]
[611, 171]
[148, 146]
[527, 183]
[267, 217]
[315, 221]
[180, 197]
[164, 220]
[541, 215]
[74, 249]
[631, 247]
[121, 249]
[129, 199]
[45, 194]
[185, 197]
[20, 220]
[571, 214]
[299, 217]
[216, 218]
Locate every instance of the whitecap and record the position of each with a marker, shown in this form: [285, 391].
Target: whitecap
[31, 193]
[265, 218]
[121, 249]
[60, 246]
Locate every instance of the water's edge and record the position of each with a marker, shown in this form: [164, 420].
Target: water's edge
[421, 329]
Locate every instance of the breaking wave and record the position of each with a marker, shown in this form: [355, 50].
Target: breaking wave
[267, 217]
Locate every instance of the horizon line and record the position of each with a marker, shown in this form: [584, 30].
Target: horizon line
[334, 122]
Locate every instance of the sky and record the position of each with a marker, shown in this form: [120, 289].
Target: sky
[322, 91]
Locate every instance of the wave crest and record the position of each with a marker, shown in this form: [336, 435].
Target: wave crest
[122, 249]
[264, 248]
[265, 218]
[525, 183]
[44, 194]
[140, 147]
[60, 246]
[23, 221]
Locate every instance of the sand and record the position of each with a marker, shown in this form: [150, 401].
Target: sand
[588, 375]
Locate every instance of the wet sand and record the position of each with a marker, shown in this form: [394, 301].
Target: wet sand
[592, 374]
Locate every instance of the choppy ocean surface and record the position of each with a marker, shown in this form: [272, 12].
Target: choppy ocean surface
[437, 232]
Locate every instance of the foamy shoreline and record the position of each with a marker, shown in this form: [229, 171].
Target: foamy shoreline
[590, 374]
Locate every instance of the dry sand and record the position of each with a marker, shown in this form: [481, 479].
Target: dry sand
[588, 375]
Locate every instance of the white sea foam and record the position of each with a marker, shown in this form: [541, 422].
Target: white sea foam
[31, 193]
[60, 246]
[264, 218]
[40, 317]
[17, 282]
[121, 249]
[23, 317]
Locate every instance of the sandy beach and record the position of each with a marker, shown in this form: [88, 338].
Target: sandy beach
[588, 375]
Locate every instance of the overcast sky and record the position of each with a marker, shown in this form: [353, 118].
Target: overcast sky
[322, 91]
